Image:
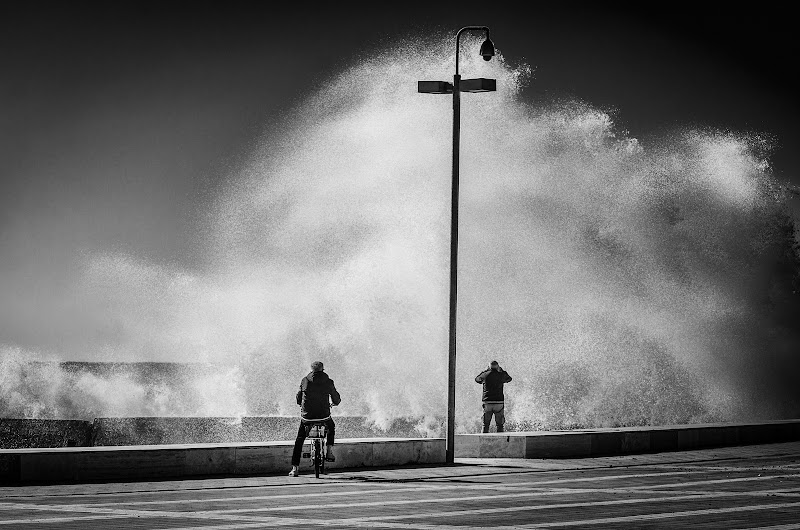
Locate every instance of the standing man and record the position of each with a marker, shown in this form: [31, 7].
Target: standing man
[493, 379]
[315, 389]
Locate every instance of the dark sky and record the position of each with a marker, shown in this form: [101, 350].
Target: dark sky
[119, 119]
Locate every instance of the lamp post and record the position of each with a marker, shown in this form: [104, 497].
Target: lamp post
[443, 87]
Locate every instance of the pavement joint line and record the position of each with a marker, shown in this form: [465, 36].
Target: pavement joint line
[517, 471]
[524, 466]
[435, 480]
[231, 511]
[391, 502]
[732, 468]
[431, 487]
[399, 502]
[781, 492]
[88, 508]
[651, 488]
[390, 524]
[234, 522]
[282, 485]
[723, 469]
[251, 521]
[228, 526]
[585, 504]
[424, 526]
[653, 516]
[644, 475]
[690, 460]
[476, 486]
[51, 520]
[228, 514]
[371, 522]
[715, 481]
[256, 522]
[151, 514]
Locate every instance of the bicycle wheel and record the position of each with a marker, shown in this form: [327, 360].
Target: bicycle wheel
[322, 457]
[317, 458]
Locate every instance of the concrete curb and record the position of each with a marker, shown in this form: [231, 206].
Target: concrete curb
[143, 462]
[623, 441]
[126, 463]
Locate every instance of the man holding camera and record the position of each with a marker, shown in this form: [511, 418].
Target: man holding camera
[493, 379]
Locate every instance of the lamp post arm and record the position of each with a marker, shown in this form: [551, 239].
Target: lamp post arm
[458, 38]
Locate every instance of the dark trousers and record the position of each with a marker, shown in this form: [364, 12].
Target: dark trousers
[496, 410]
[301, 438]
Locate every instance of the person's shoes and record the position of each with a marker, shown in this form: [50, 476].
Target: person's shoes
[330, 458]
[294, 472]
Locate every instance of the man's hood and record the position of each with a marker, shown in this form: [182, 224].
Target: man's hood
[317, 377]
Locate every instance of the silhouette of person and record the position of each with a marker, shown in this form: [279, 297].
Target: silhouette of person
[313, 397]
[493, 379]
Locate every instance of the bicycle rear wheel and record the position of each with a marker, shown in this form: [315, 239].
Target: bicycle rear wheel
[322, 455]
[317, 458]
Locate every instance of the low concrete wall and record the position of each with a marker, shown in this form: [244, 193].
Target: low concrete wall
[176, 430]
[19, 433]
[82, 464]
[621, 441]
[125, 463]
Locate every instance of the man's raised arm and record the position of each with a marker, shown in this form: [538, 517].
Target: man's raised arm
[481, 376]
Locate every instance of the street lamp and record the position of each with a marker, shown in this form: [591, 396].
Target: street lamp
[443, 87]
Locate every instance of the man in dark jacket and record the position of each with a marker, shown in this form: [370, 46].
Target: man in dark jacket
[493, 379]
[315, 390]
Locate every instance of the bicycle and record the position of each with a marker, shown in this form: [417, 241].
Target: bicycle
[317, 436]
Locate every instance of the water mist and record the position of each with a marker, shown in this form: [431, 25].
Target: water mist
[619, 284]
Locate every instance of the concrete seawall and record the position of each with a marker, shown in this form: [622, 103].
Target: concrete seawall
[619, 441]
[22, 433]
[148, 462]
[126, 463]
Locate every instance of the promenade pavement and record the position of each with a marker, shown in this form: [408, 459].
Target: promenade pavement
[755, 486]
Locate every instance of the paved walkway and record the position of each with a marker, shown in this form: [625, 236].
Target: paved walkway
[731, 488]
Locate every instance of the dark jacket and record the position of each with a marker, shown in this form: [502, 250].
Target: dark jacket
[313, 396]
[493, 384]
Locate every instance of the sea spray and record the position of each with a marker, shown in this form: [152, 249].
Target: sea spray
[55, 389]
[618, 283]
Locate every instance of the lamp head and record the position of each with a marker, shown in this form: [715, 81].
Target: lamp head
[487, 49]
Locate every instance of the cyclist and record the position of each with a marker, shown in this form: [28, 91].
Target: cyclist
[315, 390]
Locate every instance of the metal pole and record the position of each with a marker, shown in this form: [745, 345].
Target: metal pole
[450, 440]
[451, 364]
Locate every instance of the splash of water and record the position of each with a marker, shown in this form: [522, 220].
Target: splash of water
[80, 390]
[619, 284]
